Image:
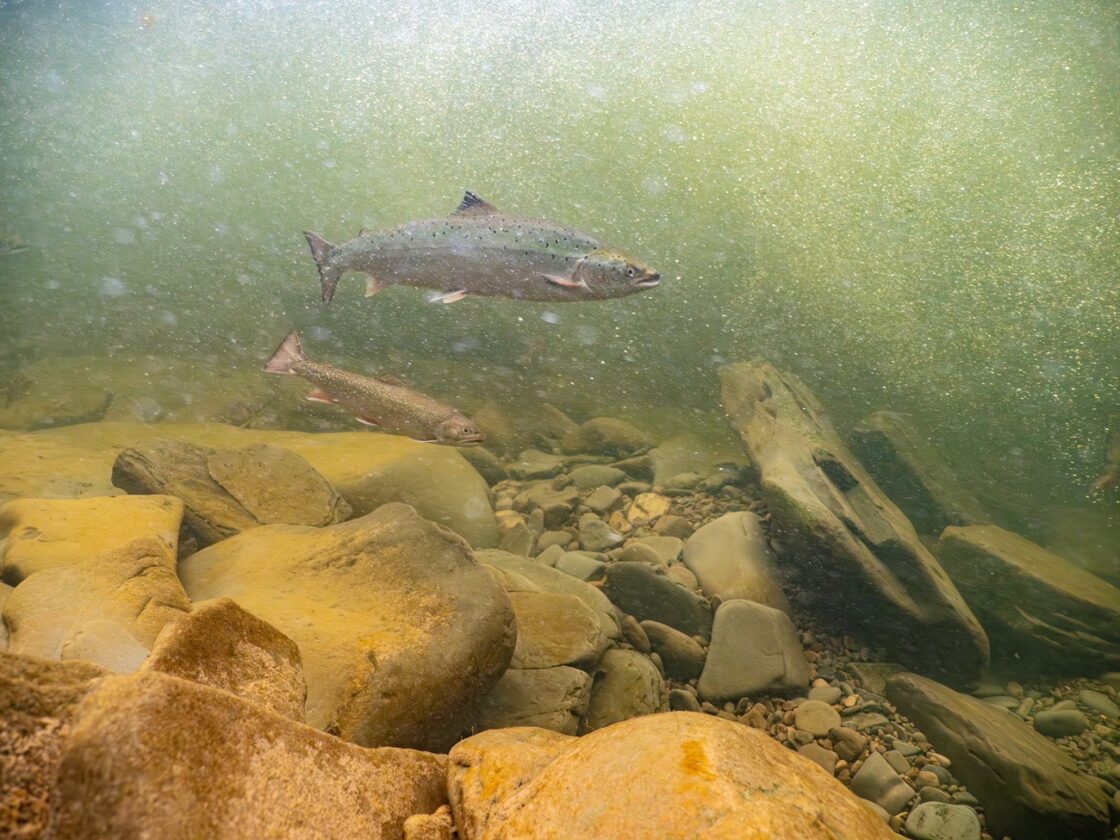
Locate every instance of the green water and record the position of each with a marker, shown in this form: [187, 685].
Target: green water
[912, 206]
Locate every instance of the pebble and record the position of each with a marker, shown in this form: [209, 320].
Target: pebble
[1063, 704]
[939, 821]
[683, 701]
[825, 693]
[898, 761]
[825, 758]
[594, 475]
[848, 743]
[934, 794]
[963, 797]
[816, 718]
[877, 782]
[1061, 723]
[595, 534]
[943, 760]
[926, 779]
[1099, 702]
[1111, 679]
[905, 747]
[604, 499]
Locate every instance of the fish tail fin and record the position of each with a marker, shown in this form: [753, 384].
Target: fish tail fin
[321, 251]
[286, 355]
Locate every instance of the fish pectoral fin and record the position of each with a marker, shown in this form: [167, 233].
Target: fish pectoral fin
[373, 286]
[319, 395]
[564, 282]
[366, 421]
[452, 296]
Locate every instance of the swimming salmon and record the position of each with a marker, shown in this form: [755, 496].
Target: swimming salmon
[479, 250]
[393, 407]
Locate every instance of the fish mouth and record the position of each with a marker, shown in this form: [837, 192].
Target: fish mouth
[473, 440]
[649, 281]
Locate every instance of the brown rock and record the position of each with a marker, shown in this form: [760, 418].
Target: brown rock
[37, 701]
[133, 587]
[222, 646]
[673, 775]
[401, 632]
[38, 534]
[153, 755]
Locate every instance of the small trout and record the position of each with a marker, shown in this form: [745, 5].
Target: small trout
[479, 250]
[393, 407]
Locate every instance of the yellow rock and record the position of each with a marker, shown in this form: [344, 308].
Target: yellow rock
[676, 775]
[647, 507]
[367, 468]
[400, 631]
[133, 587]
[37, 534]
[153, 755]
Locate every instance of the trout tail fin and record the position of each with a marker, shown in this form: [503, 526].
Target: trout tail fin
[321, 250]
[286, 354]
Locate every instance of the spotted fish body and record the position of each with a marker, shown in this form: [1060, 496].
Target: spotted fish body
[480, 251]
[393, 407]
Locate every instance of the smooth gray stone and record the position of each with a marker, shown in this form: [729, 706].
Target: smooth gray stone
[636, 551]
[551, 698]
[1061, 723]
[897, 760]
[681, 655]
[603, 500]
[934, 794]
[580, 566]
[816, 718]
[731, 559]
[755, 650]
[550, 538]
[826, 694]
[595, 475]
[683, 701]
[595, 534]
[668, 549]
[877, 782]
[627, 684]
[940, 821]
[905, 748]
[1099, 702]
[825, 758]
[638, 589]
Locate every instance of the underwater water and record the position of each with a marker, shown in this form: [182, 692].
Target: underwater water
[912, 207]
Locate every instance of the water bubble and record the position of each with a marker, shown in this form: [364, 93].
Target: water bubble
[655, 184]
[550, 317]
[112, 287]
[586, 334]
[674, 134]
[217, 174]
[124, 236]
[169, 318]
[320, 333]
[244, 279]
[330, 163]
[597, 92]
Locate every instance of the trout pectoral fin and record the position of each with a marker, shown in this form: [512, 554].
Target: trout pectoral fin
[365, 421]
[452, 296]
[319, 395]
[373, 286]
[564, 282]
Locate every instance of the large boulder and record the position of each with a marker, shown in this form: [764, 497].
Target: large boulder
[367, 468]
[38, 534]
[843, 540]
[914, 475]
[220, 645]
[731, 560]
[401, 632]
[37, 701]
[754, 650]
[666, 776]
[1041, 611]
[108, 609]
[226, 492]
[1030, 789]
[605, 436]
[555, 628]
[153, 755]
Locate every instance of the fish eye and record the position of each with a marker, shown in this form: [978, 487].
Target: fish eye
[630, 271]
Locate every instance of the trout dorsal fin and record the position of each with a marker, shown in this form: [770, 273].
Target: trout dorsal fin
[472, 205]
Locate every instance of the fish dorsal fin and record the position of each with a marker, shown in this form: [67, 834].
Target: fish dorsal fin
[472, 205]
